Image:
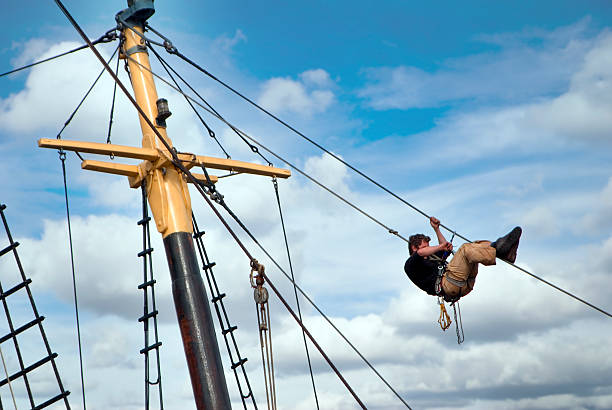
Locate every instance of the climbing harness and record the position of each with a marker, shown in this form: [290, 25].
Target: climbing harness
[260, 294]
[444, 319]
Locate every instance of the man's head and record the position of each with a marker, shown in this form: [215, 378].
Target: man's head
[418, 241]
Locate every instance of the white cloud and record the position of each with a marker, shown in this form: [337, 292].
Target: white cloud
[518, 72]
[317, 77]
[306, 97]
[32, 50]
[582, 112]
[226, 44]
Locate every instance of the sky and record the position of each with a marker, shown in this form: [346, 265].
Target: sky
[487, 115]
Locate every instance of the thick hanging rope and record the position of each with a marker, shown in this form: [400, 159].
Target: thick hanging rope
[62, 156]
[247, 231]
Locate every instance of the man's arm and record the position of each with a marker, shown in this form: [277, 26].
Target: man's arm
[430, 250]
[435, 224]
[444, 244]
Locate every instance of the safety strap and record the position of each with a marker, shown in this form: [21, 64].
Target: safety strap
[458, 283]
[444, 320]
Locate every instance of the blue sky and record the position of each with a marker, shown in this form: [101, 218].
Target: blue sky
[485, 114]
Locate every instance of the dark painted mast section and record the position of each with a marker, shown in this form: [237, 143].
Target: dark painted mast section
[169, 200]
[195, 321]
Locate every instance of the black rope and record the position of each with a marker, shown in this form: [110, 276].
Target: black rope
[112, 111]
[200, 186]
[257, 143]
[252, 147]
[168, 46]
[312, 339]
[248, 232]
[84, 97]
[297, 301]
[110, 35]
[62, 156]
[211, 133]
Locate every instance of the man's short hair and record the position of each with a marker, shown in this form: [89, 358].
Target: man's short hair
[415, 240]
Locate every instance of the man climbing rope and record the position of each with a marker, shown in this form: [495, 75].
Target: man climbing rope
[426, 266]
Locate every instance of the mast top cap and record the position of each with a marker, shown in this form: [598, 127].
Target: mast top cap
[138, 11]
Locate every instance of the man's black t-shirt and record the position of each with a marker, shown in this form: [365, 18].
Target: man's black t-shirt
[423, 272]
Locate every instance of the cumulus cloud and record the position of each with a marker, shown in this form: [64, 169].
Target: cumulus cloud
[309, 96]
[516, 73]
[581, 112]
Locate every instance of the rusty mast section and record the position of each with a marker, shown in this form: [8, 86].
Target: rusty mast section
[170, 203]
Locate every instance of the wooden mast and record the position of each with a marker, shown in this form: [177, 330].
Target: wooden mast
[170, 203]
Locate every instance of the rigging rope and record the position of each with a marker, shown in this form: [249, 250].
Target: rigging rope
[248, 137]
[211, 133]
[252, 147]
[109, 36]
[219, 198]
[112, 111]
[62, 156]
[393, 231]
[297, 301]
[168, 46]
[199, 187]
[84, 97]
[323, 315]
